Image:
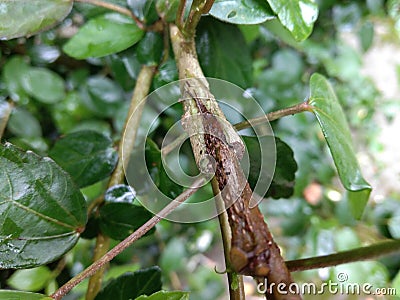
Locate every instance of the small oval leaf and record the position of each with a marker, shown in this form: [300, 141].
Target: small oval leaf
[20, 17]
[298, 16]
[326, 107]
[41, 211]
[242, 11]
[17, 295]
[88, 156]
[104, 35]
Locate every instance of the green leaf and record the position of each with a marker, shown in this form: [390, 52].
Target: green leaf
[242, 11]
[298, 16]
[103, 35]
[118, 220]
[44, 85]
[366, 35]
[167, 9]
[41, 210]
[30, 279]
[102, 96]
[120, 193]
[14, 71]
[167, 72]
[282, 185]
[17, 295]
[219, 54]
[150, 48]
[326, 107]
[88, 156]
[157, 172]
[23, 124]
[165, 295]
[20, 17]
[144, 10]
[131, 285]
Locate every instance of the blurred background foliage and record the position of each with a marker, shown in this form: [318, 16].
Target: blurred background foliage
[55, 95]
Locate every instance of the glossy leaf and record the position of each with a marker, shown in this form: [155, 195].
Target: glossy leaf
[44, 85]
[131, 285]
[326, 107]
[167, 9]
[118, 220]
[23, 124]
[14, 71]
[167, 72]
[41, 210]
[145, 10]
[33, 280]
[298, 16]
[120, 193]
[282, 185]
[18, 295]
[223, 52]
[102, 96]
[103, 35]
[150, 48]
[166, 295]
[242, 11]
[20, 17]
[88, 156]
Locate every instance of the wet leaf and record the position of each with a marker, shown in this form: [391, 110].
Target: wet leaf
[298, 16]
[145, 10]
[326, 107]
[219, 53]
[20, 17]
[88, 156]
[103, 35]
[242, 11]
[41, 210]
[14, 71]
[150, 48]
[120, 193]
[118, 220]
[131, 285]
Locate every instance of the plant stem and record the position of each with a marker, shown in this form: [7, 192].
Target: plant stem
[358, 254]
[180, 14]
[238, 292]
[196, 10]
[95, 266]
[116, 8]
[272, 116]
[5, 112]
[130, 129]
[295, 109]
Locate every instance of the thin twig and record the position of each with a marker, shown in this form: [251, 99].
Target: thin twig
[116, 8]
[196, 10]
[180, 14]
[344, 257]
[94, 267]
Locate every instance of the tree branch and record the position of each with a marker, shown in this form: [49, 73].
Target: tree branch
[94, 267]
[141, 90]
[344, 257]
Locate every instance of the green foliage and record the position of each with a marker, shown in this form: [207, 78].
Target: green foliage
[164, 295]
[132, 285]
[20, 18]
[330, 116]
[34, 190]
[87, 155]
[34, 279]
[9, 294]
[103, 35]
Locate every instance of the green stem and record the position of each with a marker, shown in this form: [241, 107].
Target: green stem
[141, 90]
[272, 116]
[5, 115]
[196, 10]
[344, 257]
[95, 266]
